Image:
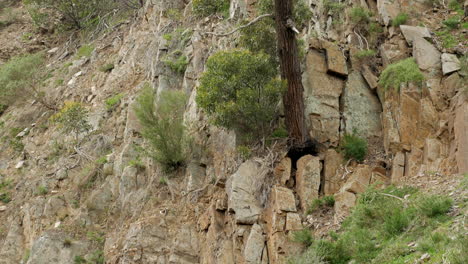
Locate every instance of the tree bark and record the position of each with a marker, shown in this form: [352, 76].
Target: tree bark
[290, 67]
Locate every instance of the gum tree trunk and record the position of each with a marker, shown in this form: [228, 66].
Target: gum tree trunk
[291, 72]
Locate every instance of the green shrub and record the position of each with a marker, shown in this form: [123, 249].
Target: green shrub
[114, 101]
[309, 257]
[177, 62]
[260, 38]
[79, 260]
[163, 126]
[107, 67]
[455, 5]
[42, 190]
[400, 19]
[363, 54]
[452, 22]
[401, 72]
[85, 51]
[303, 236]
[280, 132]
[72, 118]
[354, 147]
[97, 257]
[205, 8]
[326, 201]
[18, 77]
[433, 206]
[301, 13]
[359, 15]
[333, 7]
[240, 91]
[244, 152]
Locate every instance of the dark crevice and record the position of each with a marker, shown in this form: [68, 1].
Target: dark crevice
[310, 147]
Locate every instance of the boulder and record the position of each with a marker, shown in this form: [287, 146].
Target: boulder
[195, 175]
[398, 167]
[332, 163]
[359, 180]
[361, 107]
[321, 95]
[241, 188]
[308, 179]
[370, 78]
[255, 245]
[460, 128]
[388, 10]
[344, 201]
[283, 171]
[411, 33]
[293, 222]
[283, 199]
[450, 63]
[426, 55]
[336, 61]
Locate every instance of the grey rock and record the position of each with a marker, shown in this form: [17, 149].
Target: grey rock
[240, 189]
[411, 33]
[426, 55]
[254, 246]
[361, 107]
[450, 63]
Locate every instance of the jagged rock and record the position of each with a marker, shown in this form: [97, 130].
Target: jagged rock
[308, 179]
[460, 126]
[293, 222]
[336, 61]
[359, 180]
[398, 167]
[426, 55]
[195, 174]
[388, 10]
[344, 201]
[284, 199]
[20, 164]
[370, 78]
[393, 51]
[413, 162]
[185, 247]
[331, 165]
[240, 189]
[321, 94]
[361, 108]
[409, 115]
[431, 153]
[254, 246]
[283, 170]
[411, 33]
[50, 248]
[52, 51]
[3, 208]
[450, 63]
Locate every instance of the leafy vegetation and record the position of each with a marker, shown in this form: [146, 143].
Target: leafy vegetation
[385, 224]
[163, 126]
[303, 236]
[301, 16]
[334, 7]
[72, 118]
[177, 62]
[240, 91]
[107, 67]
[5, 195]
[401, 72]
[354, 147]
[326, 201]
[260, 38]
[85, 51]
[113, 101]
[205, 8]
[452, 22]
[19, 76]
[363, 54]
[359, 15]
[400, 19]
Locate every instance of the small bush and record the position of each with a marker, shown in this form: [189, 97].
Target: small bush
[177, 62]
[240, 91]
[114, 101]
[107, 67]
[448, 39]
[244, 152]
[359, 15]
[363, 54]
[260, 38]
[42, 190]
[452, 22]
[400, 19]
[18, 76]
[309, 257]
[280, 132]
[433, 206]
[326, 201]
[163, 126]
[85, 51]
[72, 118]
[303, 236]
[79, 260]
[401, 72]
[354, 147]
[333, 7]
[205, 8]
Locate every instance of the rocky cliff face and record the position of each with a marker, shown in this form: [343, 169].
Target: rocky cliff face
[220, 208]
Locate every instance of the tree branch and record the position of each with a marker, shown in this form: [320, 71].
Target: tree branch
[239, 28]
